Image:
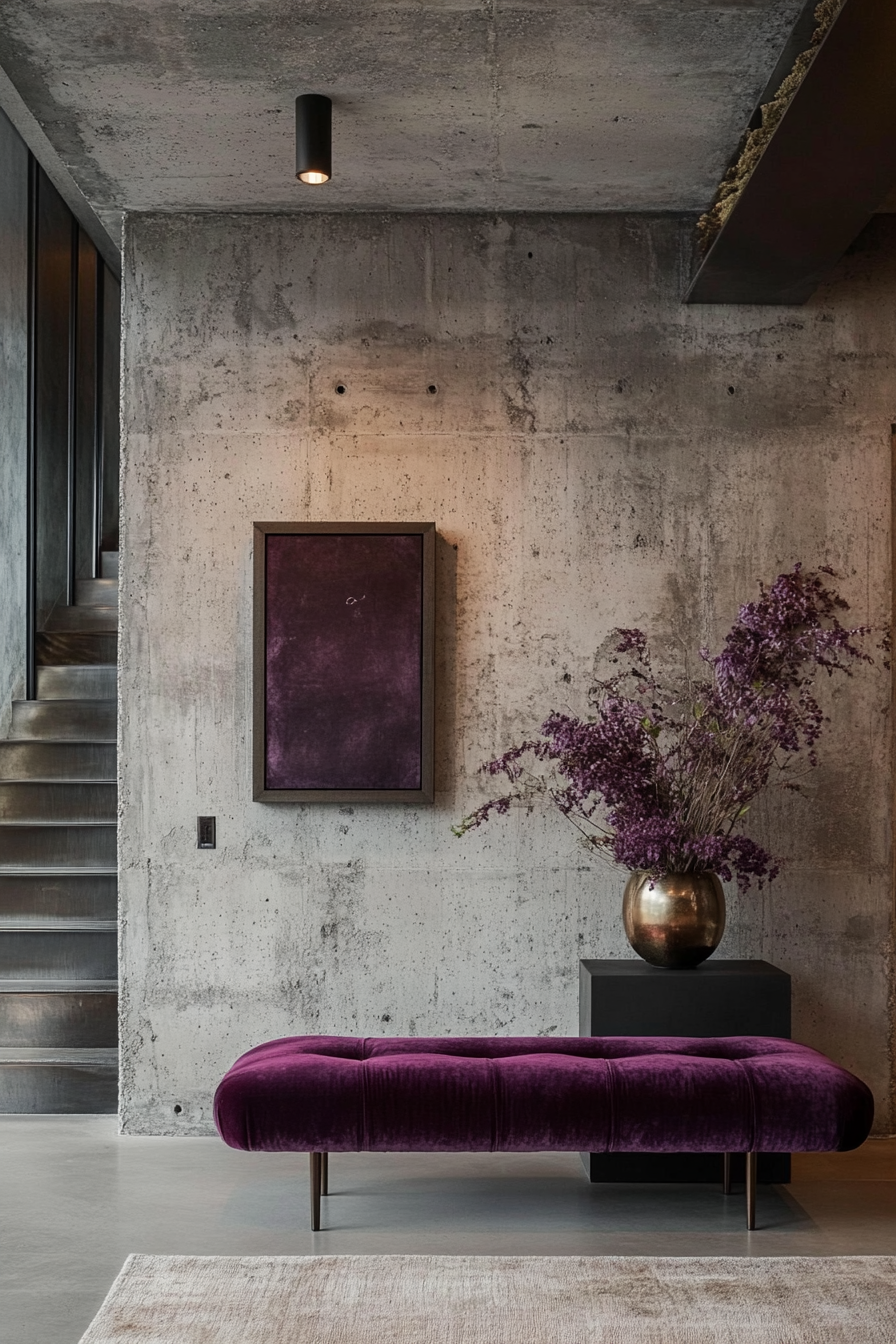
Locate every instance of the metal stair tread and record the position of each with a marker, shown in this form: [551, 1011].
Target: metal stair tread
[68, 700]
[97, 584]
[76, 681]
[58, 986]
[104, 622]
[109, 823]
[80, 925]
[103, 608]
[59, 779]
[105, 619]
[58, 741]
[82, 667]
[102, 1056]
[57, 822]
[82, 741]
[73, 702]
[56, 870]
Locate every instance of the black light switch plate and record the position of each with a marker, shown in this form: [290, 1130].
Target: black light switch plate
[205, 832]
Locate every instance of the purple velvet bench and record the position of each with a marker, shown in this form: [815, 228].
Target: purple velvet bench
[735, 1094]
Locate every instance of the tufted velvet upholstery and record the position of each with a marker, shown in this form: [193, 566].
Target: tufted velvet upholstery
[529, 1094]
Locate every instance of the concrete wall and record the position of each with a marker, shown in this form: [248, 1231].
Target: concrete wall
[595, 454]
[13, 415]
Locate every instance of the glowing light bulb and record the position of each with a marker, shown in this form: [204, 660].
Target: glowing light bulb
[313, 139]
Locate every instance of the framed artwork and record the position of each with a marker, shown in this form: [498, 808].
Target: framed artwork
[343, 662]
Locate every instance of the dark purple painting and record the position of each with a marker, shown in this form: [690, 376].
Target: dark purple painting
[343, 661]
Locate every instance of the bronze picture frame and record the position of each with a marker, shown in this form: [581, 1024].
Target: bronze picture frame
[343, 662]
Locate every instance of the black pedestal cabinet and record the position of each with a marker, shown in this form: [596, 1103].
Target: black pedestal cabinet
[719, 998]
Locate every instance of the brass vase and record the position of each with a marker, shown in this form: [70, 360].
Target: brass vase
[675, 921]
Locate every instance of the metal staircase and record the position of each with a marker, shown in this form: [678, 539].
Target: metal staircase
[58, 867]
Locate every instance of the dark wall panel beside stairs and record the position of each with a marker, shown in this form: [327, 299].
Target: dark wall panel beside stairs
[110, 381]
[51, 344]
[74, 339]
[84, 489]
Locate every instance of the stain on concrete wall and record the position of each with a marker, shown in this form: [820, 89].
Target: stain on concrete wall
[594, 454]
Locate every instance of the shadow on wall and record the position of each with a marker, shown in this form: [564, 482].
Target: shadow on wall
[446, 670]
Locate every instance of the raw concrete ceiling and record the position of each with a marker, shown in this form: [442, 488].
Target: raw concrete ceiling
[446, 105]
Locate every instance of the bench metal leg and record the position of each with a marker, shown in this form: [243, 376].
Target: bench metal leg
[726, 1173]
[325, 1173]
[316, 1165]
[751, 1191]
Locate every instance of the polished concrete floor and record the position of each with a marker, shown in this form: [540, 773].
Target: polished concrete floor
[76, 1199]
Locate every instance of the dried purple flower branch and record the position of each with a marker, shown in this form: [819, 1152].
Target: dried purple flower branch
[662, 775]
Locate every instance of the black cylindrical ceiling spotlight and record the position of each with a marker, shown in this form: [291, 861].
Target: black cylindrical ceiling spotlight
[314, 163]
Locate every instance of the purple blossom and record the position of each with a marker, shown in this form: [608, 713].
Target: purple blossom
[661, 776]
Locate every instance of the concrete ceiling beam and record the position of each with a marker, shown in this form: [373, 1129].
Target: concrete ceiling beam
[35, 138]
[825, 171]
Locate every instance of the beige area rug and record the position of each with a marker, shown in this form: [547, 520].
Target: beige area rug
[444, 1299]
